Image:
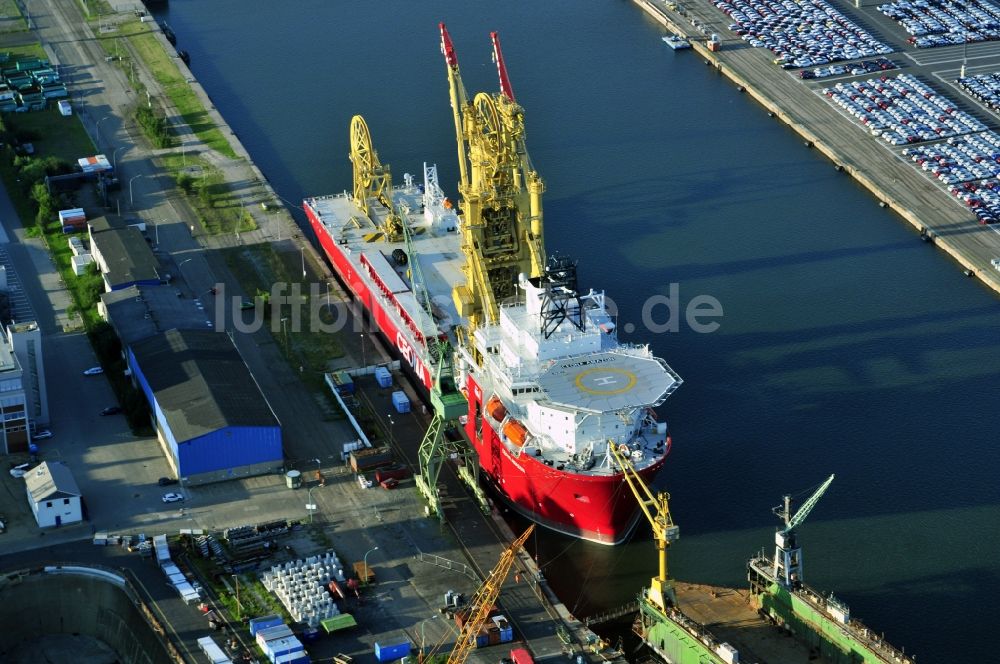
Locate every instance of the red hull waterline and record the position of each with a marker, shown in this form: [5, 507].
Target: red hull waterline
[600, 509]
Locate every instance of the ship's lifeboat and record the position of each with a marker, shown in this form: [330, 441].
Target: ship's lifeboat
[496, 409]
[515, 432]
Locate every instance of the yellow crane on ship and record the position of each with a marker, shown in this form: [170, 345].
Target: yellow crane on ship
[501, 238]
[373, 182]
[483, 602]
[501, 193]
[656, 508]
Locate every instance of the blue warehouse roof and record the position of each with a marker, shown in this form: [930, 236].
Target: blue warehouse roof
[200, 383]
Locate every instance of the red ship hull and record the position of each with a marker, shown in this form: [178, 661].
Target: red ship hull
[599, 508]
[377, 307]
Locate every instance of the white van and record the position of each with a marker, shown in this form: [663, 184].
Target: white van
[65, 108]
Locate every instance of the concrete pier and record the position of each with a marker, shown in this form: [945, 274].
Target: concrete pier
[878, 167]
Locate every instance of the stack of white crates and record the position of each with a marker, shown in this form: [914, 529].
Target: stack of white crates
[301, 585]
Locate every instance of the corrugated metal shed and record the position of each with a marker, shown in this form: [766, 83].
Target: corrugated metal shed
[208, 405]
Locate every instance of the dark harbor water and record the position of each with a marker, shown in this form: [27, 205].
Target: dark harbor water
[847, 346]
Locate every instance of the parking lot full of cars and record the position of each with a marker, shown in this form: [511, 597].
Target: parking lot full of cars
[854, 69]
[902, 110]
[800, 34]
[960, 158]
[983, 87]
[982, 198]
[945, 22]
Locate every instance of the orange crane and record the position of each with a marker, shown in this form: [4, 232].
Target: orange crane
[483, 602]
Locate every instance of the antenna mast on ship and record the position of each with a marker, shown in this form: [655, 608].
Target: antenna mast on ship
[501, 192]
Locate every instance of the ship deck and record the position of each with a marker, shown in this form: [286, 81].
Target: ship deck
[727, 613]
[437, 248]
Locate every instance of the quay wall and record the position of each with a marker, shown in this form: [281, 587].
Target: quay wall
[672, 20]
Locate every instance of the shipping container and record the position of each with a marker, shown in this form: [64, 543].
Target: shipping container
[344, 382]
[400, 402]
[521, 656]
[283, 646]
[338, 622]
[292, 658]
[383, 377]
[212, 650]
[71, 215]
[264, 622]
[367, 459]
[391, 651]
[397, 472]
[264, 636]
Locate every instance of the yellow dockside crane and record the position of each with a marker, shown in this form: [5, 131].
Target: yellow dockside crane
[657, 510]
[483, 601]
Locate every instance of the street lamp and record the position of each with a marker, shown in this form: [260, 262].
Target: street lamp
[156, 226]
[284, 331]
[302, 251]
[239, 608]
[366, 563]
[422, 641]
[311, 506]
[131, 199]
[391, 423]
[97, 128]
[364, 362]
[114, 156]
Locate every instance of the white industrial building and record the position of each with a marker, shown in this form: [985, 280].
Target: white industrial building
[53, 495]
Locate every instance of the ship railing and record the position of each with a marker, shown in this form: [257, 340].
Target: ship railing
[763, 565]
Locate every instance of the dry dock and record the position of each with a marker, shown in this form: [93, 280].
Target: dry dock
[894, 182]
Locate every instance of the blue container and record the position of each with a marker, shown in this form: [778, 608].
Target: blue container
[344, 382]
[507, 635]
[264, 622]
[482, 640]
[391, 651]
[266, 634]
[400, 402]
[284, 646]
[383, 377]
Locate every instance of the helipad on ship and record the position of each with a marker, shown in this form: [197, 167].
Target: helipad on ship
[608, 382]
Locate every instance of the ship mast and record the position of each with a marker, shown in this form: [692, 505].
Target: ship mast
[501, 194]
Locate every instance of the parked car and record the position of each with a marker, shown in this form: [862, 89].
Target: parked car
[19, 471]
[166, 481]
[172, 497]
[93, 371]
[112, 410]
[42, 435]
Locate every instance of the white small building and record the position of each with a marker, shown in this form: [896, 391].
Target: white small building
[53, 495]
